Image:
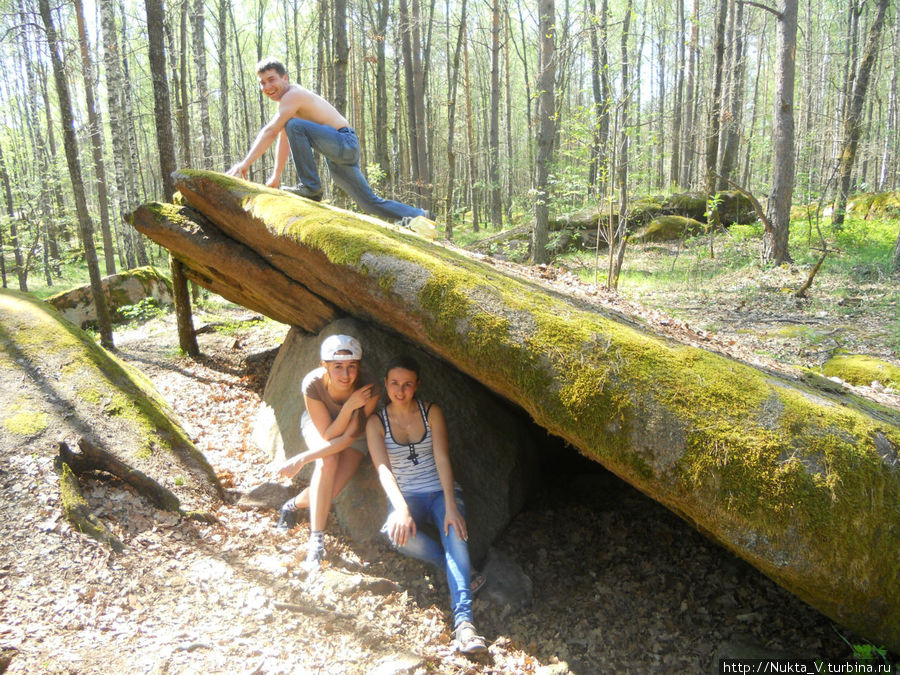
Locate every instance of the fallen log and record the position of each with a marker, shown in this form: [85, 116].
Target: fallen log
[248, 281]
[804, 485]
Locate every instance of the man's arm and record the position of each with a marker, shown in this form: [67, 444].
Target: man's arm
[288, 105]
[281, 155]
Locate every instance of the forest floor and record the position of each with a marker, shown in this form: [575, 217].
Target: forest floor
[620, 583]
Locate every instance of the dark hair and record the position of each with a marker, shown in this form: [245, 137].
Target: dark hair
[402, 361]
[270, 64]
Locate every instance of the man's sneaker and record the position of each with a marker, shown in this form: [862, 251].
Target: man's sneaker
[287, 517]
[302, 191]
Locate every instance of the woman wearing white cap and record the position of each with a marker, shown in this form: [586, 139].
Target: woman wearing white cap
[338, 402]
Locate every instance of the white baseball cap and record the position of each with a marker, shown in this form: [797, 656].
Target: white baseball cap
[340, 343]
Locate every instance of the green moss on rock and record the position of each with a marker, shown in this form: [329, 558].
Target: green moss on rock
[27, 423]
[668, 228]
[862, 370]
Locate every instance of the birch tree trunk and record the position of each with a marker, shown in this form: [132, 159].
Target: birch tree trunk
[224, 85]
[198, 21]
[546, 130]
[70, 144]
[494, 133]
[96, 133]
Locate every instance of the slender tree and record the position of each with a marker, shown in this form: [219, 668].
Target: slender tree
[70, 144]
[451, 120]
[341, 54]
[775, 238]
[853, 119]
[224, 84]
[546, 129]
[187, 339]
[198, 20]
[494, 132]
[96, 133]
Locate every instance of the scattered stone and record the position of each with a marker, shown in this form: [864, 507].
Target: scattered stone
[401, 664]
[744, 647]
[507, 590]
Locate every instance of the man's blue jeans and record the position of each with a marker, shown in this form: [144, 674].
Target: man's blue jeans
[452, 553]
[340, 148]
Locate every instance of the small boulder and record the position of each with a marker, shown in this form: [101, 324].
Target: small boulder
[121, 290]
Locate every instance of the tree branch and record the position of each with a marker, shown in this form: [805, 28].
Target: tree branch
[761, 6]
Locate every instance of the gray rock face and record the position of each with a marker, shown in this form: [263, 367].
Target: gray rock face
[508, 589]
[491, 446]
[121, 290]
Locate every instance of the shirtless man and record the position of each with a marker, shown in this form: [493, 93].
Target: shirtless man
[306, 121]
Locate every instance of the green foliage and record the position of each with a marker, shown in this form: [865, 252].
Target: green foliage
[148, 308]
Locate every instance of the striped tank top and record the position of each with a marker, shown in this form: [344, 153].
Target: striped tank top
[412, 463]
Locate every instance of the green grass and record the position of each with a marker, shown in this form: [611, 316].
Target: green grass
[73, 271]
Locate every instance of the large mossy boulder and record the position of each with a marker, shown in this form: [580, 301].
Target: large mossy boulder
[803, 484]
[59, 385]
[493, 450]
[734, 207]
[121, 290]
[668, 228]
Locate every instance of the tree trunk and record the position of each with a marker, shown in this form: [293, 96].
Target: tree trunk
[382, 150]
[775, 239]
[224, 84]
[115, 106]
[600, 89]
[690, 139]
[341, 55]
[96, 133]
[453, 81]
[675, 159]
[546, 130]
[732, 126]
[187, 339]
[853, 119]
[199, 48]
[470, 140]
[616, 235]
[10, 210]
[507, 77]
[71, 147]
[715, 108]
[494, 132]
[133, 164]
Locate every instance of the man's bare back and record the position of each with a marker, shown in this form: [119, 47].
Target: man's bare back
[310, 106]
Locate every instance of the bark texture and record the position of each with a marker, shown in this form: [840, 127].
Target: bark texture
[774, 470]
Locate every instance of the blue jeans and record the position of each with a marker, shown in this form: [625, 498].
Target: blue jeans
[452, 553]
[340, 147]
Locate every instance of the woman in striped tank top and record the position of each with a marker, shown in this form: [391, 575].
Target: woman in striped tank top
[408, 444]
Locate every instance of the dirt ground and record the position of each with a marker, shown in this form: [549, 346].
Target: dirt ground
[620, 583]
